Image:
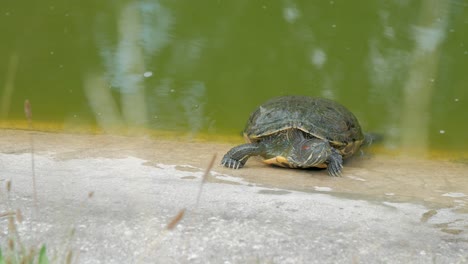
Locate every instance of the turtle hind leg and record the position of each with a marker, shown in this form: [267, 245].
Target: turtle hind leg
[335, 163]
[238, 156]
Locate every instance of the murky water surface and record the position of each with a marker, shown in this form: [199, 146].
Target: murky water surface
[202, 67]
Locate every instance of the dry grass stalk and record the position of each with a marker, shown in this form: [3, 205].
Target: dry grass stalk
[205, 177]
[28, 114]
[173, 223]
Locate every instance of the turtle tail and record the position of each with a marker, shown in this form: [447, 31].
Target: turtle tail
[371, 138]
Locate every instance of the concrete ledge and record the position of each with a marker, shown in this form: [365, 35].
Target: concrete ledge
[384, 209]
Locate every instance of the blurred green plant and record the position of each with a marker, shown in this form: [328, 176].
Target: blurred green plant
[43, 256]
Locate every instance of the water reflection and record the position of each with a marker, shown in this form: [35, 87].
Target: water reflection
[9, 85]
[143, 31]
[186, 101]
[428, 34]
[102, 102]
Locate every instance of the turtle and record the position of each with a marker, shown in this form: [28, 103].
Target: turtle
[299, 132]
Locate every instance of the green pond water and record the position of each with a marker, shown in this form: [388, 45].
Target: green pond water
[202, 66]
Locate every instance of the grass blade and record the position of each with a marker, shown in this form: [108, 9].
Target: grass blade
[43, 256]
[2, 261]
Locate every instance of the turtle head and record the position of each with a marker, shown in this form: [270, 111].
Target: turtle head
[310, 153]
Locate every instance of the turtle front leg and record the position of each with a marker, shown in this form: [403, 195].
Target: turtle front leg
[335, 163]
[238, 156]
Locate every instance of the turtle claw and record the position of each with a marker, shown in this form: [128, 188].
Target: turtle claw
[335, 171]
[231, 163]
[335, 165]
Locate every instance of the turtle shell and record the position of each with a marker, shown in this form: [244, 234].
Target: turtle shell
[317, 117]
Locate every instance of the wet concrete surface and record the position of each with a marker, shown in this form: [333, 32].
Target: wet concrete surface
[119, 194]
